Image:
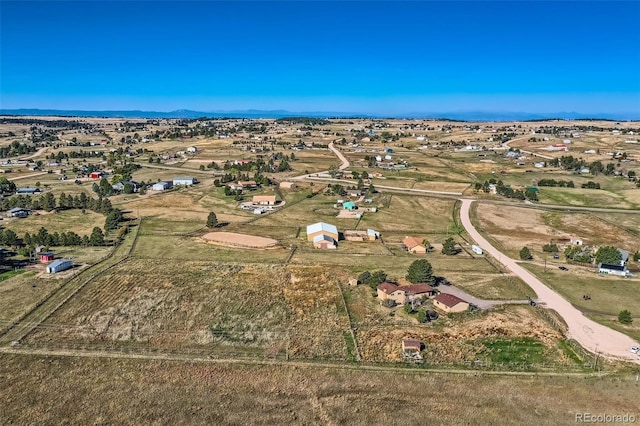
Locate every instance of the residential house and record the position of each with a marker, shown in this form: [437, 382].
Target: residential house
[120, 185]
[264, 200]
[450, 303]
[287, 185]
[354, 192]
[403, 294]
[248, 184]
[414, 246]
[19, 212]
[28, 191]
[575, 241]
[620, 270]
[624, 256]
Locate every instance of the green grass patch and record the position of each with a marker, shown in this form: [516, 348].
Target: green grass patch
[518, 350]
[9, 274]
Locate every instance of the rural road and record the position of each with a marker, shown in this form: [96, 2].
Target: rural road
[535, 154]
[342, 158]
[591, 335]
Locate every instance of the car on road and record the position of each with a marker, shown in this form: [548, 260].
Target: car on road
[555, 256]
[635, 349]
[563, 268]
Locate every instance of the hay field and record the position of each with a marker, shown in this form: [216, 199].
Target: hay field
[63, 221]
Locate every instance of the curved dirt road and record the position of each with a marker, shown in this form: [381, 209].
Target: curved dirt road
[591, 335]
[345, 162]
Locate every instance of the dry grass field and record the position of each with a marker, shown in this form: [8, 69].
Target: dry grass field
[63, 221]
[53, 390]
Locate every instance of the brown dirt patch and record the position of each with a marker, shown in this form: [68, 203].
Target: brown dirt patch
[242, 240]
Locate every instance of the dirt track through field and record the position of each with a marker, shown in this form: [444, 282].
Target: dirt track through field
[591, 335]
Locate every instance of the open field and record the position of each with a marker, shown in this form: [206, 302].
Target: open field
[512, 228]
[609, 295]
[63, 221]
[124, 391]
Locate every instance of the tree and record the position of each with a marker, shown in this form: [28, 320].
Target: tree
[212, 220]
[420, 271]
[449, 247]
[334, 171]
[365, 277]
[388, 303]
[625, 317]
[609, 255]
[422, 316]
[550, 248]
[525, 254]
[408, 309]
[97, 237]
[7, 186]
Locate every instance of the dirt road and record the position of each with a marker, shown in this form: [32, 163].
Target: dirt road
[342, 158]
[591, 335]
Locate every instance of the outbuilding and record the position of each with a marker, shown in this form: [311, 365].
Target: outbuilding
[59, 265]
[618, 270]
[161, 186]
[321, 228]
[46, 256]
[186, 181]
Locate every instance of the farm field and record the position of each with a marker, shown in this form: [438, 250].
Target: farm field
[139, 391]
[57, 221]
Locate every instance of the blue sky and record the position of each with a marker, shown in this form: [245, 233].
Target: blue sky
[356, 56]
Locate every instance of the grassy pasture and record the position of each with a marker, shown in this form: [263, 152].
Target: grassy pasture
[609, 295]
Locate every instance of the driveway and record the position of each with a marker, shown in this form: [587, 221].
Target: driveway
[480, 303]
[591, 335]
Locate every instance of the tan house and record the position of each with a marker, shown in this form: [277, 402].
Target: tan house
[248, 184]
[403, 294]
[264, 200]
[450, 303]
[414, 246]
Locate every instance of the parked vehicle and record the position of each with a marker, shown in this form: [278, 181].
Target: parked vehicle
[563, 268]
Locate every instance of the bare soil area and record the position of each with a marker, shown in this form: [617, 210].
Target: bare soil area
[243, 240]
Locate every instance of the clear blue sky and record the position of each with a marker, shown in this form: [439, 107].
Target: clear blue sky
[357, 56]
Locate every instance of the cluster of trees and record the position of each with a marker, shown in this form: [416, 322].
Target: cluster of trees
[591, 185]
[449, 247]
[609, 255]
[525, 253]
[555, 183]
[569, 162]
[16, 148]
[47, 201]
[582, 254]
[372, 279]
[507, 191]
[43, 237]
[625, 317]
[550, 248]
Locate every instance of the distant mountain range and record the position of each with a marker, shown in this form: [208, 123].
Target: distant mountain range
[254, 113]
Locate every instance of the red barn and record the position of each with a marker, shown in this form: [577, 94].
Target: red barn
[95, 175]
[46, 257]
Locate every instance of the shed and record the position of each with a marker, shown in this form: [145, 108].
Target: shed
[46, 256]
[186, 181]
[411, 345]
[322, 228]
[349, 205]
[59, 265]
[161, 186]
[95, 175]
[324, 242]
[19, 212]
[353, 281]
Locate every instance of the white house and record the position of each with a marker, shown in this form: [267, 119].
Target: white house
[618, 270]
[186, 181]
